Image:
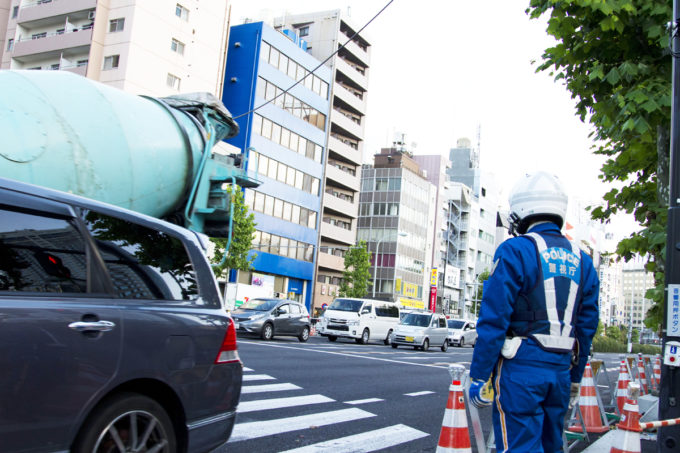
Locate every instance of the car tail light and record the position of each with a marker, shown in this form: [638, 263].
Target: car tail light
[228, 352]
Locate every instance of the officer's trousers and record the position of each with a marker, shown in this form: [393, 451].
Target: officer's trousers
[531, 400]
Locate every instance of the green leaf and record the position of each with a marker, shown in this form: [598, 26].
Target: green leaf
[613, 76]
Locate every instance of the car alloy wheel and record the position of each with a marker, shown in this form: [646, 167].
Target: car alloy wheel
[388, 340]
[364, 336]
[445, 346]
[426, 345]
[462, 342]
[127, 422]
[304, 335]
[267, 332]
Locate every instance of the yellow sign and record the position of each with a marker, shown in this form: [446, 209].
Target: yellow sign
[397, 286]
[433, 277]
[411, 303]
[410, 290]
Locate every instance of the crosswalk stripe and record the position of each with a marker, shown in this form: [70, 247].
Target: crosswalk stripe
[257, 377]
[367, 400]
[245, 368]
[253, 430]
[426, 392]
[277, 403]
[268, 388]
[365, 442]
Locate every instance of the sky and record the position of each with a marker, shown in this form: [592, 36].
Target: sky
[441, 70]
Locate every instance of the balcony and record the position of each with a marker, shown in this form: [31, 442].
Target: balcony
[329, 261]
[76, 42]
[344, 150]
[338, 205]
[359, 103]
[342, 178]
[337, 234]
[357, 51]
[353, 129]
[352, 73]
[48, 12]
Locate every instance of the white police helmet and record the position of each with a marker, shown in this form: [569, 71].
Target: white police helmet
[535, 197]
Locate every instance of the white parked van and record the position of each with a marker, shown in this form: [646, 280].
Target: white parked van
[361, 319]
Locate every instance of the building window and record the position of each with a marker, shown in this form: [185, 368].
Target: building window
[10, 44]
[111, 62]
[182, 12]
[54, 67]
[116, 25]
[82, 63]
[15, 12]
[177, 46]
[173, 81]
[304, 31]
[39, 35]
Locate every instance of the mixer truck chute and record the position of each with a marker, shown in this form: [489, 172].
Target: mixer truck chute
[151, 155]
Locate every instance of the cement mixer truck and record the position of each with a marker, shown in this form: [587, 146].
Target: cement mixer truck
[150, 155]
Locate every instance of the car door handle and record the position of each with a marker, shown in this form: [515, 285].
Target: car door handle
[98, 326]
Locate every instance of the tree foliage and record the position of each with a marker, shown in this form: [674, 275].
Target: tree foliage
[477, 302]
[356, 276]
[613, 56]
[243, 227]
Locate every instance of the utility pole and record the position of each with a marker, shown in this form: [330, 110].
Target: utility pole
[669, 406]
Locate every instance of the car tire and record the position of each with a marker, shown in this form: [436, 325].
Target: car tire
[388, 340]
[445, 346]
[304, 335]
[117, 414]
[365, 335]
[394, 345]
[426, 345]
[267, 331]
[332, 338]
[461, 343]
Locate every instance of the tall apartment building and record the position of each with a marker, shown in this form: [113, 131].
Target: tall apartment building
[151, 47]
[325, 32]
[636, 281]
[465, 169]
[283, 133]
[396, 218]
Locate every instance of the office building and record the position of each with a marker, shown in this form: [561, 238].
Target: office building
[283, 133]
[151, 47]
[324, 33]
[396, 218]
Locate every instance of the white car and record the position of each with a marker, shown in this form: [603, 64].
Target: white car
[461, 332]
[421, 330]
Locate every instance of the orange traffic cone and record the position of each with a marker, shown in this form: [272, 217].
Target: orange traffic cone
[590, 408]
[454, 436]
[627, 436]
[622, 386]
[642, 376]
[657, 371]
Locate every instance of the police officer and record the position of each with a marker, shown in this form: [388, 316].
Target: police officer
[539, 313]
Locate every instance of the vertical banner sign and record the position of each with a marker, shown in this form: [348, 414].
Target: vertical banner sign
[673, 315]
[433, 290]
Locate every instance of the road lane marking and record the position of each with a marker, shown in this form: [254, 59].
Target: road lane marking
[365, 442]
[268, 388]
[277, 403]
[245, 368]
[367, 400]
[379, 359]
[253, 430]
[426, 392]
[257, 377]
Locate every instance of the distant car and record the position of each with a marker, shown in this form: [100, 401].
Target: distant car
[421, 330]
[273, 317]
[112, 331]
[461, 332]
[361, 319]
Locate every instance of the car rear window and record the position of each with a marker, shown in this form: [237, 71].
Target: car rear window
[143, 263]
[453, 324]
[40, 253]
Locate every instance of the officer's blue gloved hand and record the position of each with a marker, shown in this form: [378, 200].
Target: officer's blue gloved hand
[475, 394]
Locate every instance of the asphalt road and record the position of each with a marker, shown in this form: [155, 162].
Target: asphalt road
[344, 397]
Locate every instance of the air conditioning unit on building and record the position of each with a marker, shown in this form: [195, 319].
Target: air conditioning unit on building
[90, 15]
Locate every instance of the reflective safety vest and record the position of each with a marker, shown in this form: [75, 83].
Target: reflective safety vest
[546, 312]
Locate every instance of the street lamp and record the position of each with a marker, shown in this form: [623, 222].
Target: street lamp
[377, 249]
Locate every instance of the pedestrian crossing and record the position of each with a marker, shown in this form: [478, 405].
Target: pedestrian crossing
[312, 415]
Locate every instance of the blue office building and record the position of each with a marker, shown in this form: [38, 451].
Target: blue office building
[284, 141]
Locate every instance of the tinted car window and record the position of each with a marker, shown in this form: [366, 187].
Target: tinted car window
[41, 254]
[143, 263]
[453, 324]
[442, 322]
[345, 305]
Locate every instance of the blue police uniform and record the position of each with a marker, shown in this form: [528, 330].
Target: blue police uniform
[544, 290]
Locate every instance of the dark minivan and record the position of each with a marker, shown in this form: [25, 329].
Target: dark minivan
[112, 331]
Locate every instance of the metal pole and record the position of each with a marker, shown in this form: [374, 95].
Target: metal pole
[669, 438]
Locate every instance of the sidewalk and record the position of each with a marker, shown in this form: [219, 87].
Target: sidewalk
[604, 445]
